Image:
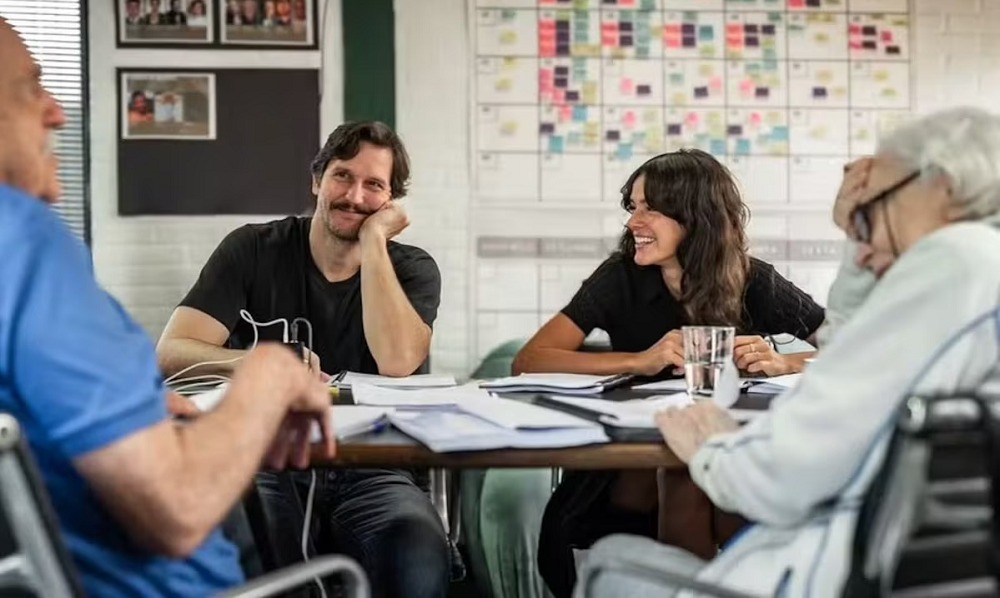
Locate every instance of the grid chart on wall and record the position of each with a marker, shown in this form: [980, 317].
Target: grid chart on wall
[570, 96]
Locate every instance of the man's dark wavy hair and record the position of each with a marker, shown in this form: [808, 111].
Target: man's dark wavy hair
[345, 143]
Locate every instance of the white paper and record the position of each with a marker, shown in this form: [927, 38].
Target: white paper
[637, 413]
[679, 384]
[565, 381]
[352, 420]
[519, 415]
[367, 394]
[454, 430]
[416, 381]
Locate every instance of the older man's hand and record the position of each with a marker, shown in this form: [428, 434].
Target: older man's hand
[685, 430]
[853, 192]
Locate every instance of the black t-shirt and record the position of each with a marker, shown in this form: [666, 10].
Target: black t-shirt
[268, 270]
[633, 305]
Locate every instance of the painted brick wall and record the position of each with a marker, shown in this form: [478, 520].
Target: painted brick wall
[149, 264]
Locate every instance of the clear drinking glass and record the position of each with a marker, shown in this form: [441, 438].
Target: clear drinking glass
[707, 349]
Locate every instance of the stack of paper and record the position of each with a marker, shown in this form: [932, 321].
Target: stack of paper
[349, 379]
[367, 394]
[574, 384]
[449, 430]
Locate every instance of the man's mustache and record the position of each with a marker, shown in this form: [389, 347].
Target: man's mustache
[348, 207]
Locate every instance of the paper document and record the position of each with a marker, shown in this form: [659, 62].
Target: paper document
[519, 415]
[776, 385]
[678, 384]
[417, 381]
[354, 420]
[367, 394]
[565, 383]
[449, 430]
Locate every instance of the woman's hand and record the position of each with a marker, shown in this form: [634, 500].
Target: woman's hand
[668, 351]
[685, 430]
[755, 355]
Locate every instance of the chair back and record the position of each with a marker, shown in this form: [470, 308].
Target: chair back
[902, 496]
[33, 560]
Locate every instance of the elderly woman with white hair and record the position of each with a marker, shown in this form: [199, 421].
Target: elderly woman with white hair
[914, 310]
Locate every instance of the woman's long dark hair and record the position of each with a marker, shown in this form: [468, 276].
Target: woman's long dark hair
[693, 188]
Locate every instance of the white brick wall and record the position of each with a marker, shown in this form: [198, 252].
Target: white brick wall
[149, 263]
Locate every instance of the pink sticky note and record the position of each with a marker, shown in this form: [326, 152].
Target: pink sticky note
[734, 28]
[609, 40]
[673, 42]
[855, 44]
[887, 36]
[628, 119]
[565, 113]
[854, 29]
[715, 83]
[672, 28]
[755, 118]
[691, 118]
[609, 27]
[627, 86]
[559, 96]
[546, 49]
[746, 85]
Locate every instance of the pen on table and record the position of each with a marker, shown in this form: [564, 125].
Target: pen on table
[375, 428]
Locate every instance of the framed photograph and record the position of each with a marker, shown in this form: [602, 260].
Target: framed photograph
[158, 105]
[165, 22]
[268, 23]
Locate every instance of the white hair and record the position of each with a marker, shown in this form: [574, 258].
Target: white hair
[961, 144]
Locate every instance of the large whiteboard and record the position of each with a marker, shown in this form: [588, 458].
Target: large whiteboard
[570, 96]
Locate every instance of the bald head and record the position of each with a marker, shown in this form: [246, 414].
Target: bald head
[28, 114]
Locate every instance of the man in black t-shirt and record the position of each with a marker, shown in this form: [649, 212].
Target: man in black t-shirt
[371, 302]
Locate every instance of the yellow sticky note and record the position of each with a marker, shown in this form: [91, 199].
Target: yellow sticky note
[678, 99]
[508, 38]
[881, 75]
[822, 38]
[503, 85]
[706, 70]
[824, 76]
[509, 62]
[508, 128]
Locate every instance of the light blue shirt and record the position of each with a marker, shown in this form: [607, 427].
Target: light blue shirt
[79, 374]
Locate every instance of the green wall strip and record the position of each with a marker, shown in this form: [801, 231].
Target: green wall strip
[369, 60]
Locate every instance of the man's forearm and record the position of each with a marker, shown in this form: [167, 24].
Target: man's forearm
[175, 354]
[399, 340]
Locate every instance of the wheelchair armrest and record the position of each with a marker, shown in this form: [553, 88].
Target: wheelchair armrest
[274, 583]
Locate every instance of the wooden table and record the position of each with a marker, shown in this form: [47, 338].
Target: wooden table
[394, 449]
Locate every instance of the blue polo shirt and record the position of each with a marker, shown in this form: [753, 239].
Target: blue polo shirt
[78, 374]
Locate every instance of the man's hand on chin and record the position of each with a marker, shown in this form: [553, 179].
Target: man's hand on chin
[386, 223]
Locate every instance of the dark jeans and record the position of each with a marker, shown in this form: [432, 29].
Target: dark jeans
[380, 518]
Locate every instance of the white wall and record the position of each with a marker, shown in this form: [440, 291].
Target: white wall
[149, 263]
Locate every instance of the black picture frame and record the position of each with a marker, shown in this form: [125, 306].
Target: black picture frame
[268, 37]
[128, 35]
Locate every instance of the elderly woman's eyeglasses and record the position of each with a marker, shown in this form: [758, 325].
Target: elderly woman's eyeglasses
[861, 217]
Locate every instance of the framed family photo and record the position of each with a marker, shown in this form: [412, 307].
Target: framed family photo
[160, 105]
[165, 22]
[270, 23]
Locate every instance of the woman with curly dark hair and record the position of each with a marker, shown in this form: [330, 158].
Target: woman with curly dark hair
[682, 260]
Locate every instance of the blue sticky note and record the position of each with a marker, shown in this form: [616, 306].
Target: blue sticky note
[779, 133]
[579, 113]
[743, 146]
[555, 144]
[624, 151]
[717, 147]
[706, 33]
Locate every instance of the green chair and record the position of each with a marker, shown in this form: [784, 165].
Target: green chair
[501, 511]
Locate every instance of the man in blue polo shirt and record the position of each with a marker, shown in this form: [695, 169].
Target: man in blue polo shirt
[139, 498]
